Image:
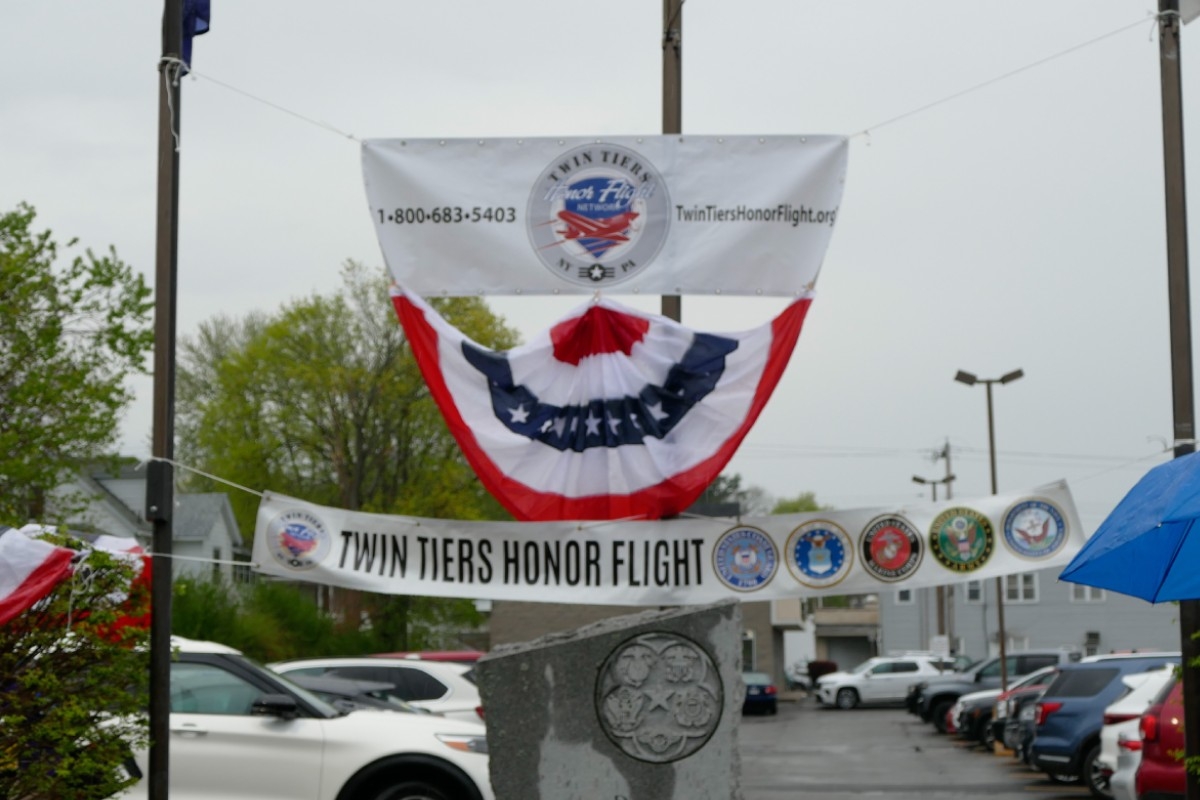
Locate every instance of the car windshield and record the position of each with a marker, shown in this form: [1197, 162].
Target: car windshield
[322, 706]
[757, 678]
[864, 666]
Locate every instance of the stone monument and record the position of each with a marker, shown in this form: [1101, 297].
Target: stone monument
[641, 707]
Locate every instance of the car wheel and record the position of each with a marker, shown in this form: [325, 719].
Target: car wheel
[987, 737]
[1094, 775]
[938, 714]
[1062, 777]
[847, 698]
[409, 790]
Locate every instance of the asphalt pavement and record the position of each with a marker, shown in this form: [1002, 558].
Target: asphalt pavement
[809, 752]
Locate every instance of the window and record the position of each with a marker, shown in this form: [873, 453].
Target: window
[208, 689]
[904, 597]
[1021, 588]
[1086, 594]
[974, 592]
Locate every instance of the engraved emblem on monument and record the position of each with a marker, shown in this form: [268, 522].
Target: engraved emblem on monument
[659, 697]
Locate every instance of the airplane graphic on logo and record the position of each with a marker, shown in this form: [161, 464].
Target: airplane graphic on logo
[610, 229]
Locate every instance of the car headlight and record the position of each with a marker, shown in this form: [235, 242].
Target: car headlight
[463, 742]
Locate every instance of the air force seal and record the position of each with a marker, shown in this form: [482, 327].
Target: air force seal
[961, 539]
[598, 215]
[819, 553]
[745, 559]
[298, 539]
[1034, 529]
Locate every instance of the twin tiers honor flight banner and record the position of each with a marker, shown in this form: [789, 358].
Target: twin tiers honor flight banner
[671, 562]
[707, 215]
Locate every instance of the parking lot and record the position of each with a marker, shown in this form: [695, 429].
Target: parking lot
[808, 751]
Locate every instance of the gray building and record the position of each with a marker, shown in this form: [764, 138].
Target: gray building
[1039, 611]
[205, 536]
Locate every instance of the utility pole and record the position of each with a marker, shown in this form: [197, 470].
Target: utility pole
[1183, 404]
[160, 476]
[672, 118]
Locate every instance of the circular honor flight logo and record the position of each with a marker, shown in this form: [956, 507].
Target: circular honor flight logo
[961, 539]
[1034, 529]
[819, 553]
[298, 539]
[891, 548]
[745, 559]
[598, 215]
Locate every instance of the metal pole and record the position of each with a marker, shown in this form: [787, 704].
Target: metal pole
[948, 592]
[160, 476]
[1181, 348]
[672, 111]
[999, 580]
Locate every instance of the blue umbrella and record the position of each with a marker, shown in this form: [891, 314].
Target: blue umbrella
[1149, 546]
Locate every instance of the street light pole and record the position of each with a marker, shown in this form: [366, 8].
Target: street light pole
[970, 380]
[932, 483]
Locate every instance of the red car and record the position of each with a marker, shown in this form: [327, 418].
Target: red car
[1161, 774]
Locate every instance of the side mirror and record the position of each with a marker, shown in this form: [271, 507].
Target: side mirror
[283, 706]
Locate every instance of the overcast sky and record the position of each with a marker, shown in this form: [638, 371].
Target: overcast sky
[1016, 225]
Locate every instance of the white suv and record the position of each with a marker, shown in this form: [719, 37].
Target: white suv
[447, 688]
[239, 730]
[883, 679]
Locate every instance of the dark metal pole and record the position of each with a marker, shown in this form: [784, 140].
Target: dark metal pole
[1181, 337]
[672, 118]
[999, 580]
[160, 477]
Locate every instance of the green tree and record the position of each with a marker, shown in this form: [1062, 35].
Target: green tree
[73, 690]
[324, 401]
[70, 334]
[805, 501]
[727, 488]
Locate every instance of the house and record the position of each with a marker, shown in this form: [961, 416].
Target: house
[1039, 611]
[205, 536]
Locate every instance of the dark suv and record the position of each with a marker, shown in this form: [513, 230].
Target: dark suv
[1070, 714]
[931, 699]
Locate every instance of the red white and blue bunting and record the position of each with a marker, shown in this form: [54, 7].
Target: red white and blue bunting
[610, 414]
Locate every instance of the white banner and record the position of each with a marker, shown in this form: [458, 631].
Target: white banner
[682, 561]
[741, 215]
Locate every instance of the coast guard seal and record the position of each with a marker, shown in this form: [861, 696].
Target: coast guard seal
[744, 558]
[598, 215]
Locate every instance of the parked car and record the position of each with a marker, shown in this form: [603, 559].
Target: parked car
[930, 699]
[1123, 715]
[1070, 714]
[350, 695]
[445, 687]
[461, 656]
[762, 696]
[240, 730]
[1161, 774]
[1006, 712]
[1129, 758]
[972, 713]
[883, 679]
